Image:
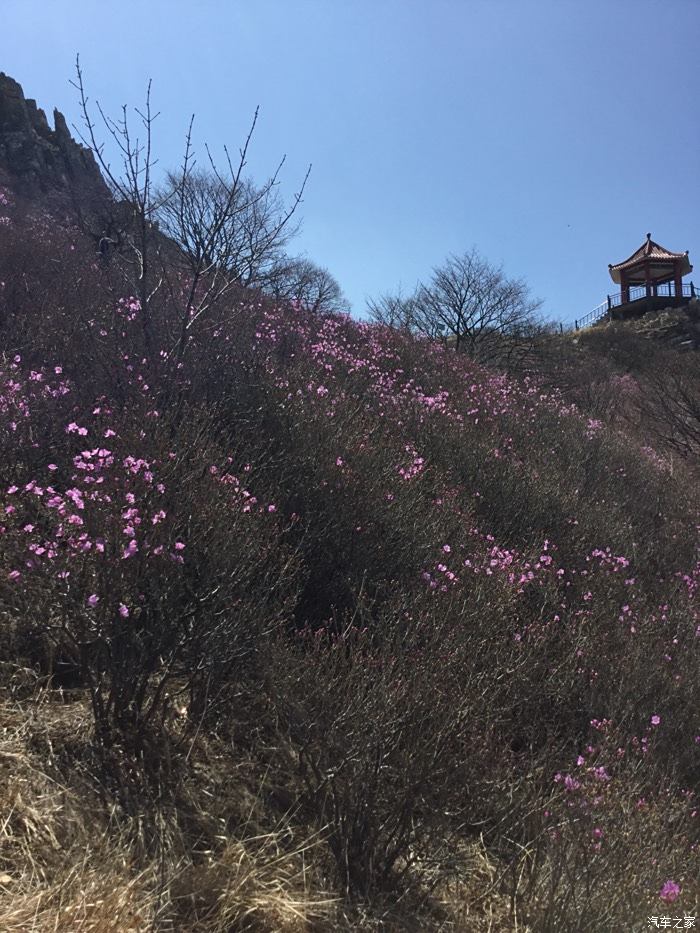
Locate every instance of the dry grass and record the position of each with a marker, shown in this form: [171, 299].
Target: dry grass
[60, 868]
[69, 864]
[474, 899]
[72, 862]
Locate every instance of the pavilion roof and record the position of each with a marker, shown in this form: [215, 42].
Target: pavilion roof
[661, 260]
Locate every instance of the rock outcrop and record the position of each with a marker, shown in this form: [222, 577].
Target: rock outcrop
[35, 160]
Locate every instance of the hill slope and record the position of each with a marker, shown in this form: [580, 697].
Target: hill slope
[325, 627]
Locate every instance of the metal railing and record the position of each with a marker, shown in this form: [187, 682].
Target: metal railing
[637, 293]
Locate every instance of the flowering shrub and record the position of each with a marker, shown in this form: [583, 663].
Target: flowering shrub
[135, 561]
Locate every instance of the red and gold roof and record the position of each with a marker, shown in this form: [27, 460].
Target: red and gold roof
[660, 261]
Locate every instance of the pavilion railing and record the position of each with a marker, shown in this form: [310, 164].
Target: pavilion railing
[666, 290]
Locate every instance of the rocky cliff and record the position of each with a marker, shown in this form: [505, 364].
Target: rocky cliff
[35, 160]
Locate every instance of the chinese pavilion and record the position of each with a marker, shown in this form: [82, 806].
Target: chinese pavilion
[651, 279]
[647, 270]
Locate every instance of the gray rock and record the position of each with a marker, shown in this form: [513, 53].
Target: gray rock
[36, 160]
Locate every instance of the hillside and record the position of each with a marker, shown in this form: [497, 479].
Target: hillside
[640, 376]
[310, 624]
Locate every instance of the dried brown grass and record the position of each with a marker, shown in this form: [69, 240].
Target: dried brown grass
[70, 863]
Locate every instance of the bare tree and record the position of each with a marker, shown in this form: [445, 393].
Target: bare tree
[469, 303]
[132, 189]
[230, 232]
[224, 226]
[312, 286]
[217, 224]
[393, 310]
[476, 305]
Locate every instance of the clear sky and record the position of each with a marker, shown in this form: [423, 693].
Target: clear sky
[552, 135]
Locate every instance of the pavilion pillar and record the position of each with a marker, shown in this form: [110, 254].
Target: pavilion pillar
[647, 279]
[677, 279]
[624, 289]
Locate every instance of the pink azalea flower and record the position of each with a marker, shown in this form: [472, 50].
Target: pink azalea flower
[131, 548]
[669, 892]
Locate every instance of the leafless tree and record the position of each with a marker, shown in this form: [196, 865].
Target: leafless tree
[471, 304]
[225, 226]
[475, 304]
[132, 188]
[230, 232]
[298, 279]
[393, 310]
[214, 224]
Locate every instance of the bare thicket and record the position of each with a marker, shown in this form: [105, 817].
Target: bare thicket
[674, 400]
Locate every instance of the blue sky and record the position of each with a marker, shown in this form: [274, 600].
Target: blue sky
[549, 134]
